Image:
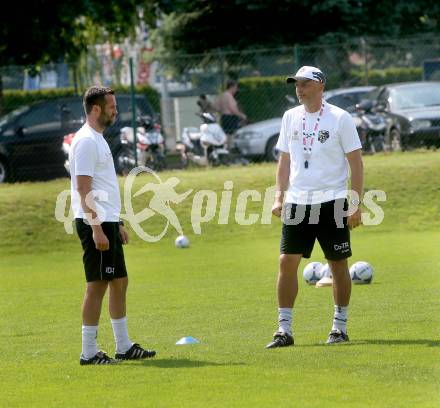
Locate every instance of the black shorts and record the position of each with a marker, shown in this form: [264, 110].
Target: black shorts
[324, 222]
[229, 123]
[102, 265]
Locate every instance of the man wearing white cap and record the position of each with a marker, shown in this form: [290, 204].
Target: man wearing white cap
[318, 143]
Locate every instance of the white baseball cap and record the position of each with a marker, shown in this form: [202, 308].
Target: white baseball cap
[306, 72]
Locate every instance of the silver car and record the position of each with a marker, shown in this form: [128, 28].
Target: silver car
[259, 139]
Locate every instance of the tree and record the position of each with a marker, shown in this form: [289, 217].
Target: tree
[42, 31]
[197, 26]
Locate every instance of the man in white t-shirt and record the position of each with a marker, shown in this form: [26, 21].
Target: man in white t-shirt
[318, 143]
[96, 206]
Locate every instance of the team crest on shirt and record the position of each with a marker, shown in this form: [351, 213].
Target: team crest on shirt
[323, 135]
[295, 135]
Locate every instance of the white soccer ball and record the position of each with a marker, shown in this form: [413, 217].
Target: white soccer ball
[312, 272]
[326, 277]
[326, 272]
[182, 241]
[361, 272]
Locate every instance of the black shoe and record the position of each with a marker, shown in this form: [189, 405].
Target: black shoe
[135, 352]
[281, 339]
[100, 358]
[337, 336]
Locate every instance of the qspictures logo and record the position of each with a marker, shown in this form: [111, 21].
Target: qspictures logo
[160, 198]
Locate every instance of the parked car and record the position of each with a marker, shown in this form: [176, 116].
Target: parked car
[412, 113]
[347, 98]
[31, 137]
[259, 139]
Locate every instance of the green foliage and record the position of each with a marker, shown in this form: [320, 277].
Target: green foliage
[45, 31]
[389, 75]
[50, 30]
[14, 99]
[200, 26]
[264, 97]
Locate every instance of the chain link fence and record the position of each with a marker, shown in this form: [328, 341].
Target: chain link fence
[41, 106]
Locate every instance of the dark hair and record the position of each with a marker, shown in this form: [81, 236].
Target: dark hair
[95, 95]
[231, 83]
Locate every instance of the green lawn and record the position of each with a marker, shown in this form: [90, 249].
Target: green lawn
[222, 291]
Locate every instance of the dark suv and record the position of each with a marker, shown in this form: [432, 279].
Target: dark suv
[31, 137]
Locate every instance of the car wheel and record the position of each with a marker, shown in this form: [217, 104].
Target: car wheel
[379, 144]
[272, 152]
[3, 171]
[396, 141]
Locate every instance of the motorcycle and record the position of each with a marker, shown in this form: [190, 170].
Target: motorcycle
[67, 142]
[371, 127]
[150, 147]
[205, 145]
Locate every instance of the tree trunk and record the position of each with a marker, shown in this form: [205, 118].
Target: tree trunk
[75, 79]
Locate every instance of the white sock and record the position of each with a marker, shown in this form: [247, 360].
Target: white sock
[89, 346]
[120, 332]
[340, 318]
[285, 319]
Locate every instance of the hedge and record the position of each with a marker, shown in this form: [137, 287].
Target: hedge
[13, 99]
[259, 97]
[264, 97]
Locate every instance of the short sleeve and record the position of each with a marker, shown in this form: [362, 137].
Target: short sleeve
[348, 134]
[283, 139]
[85, 157]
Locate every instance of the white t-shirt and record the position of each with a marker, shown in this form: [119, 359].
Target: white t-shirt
[326, 177]
[90, 155]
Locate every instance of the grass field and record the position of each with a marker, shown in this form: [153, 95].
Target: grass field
[222, 291]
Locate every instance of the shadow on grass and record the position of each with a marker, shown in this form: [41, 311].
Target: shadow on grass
[182, 363]
[381, 342]
[401, 342]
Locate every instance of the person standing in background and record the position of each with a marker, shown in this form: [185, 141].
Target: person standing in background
[227, 106]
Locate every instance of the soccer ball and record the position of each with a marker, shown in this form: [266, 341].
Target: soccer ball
[312, 272]
[361, 272]
[326, 277]
[326, 272]
[182, 241]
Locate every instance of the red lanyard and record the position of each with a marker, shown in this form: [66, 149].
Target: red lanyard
[307, 147]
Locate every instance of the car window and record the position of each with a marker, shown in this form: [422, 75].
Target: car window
[75, 108]
[41, 117]
[72, 113]
[343, 101]
[373, 95]
[360, 96]
[348, 99]
[415, 96]
[383, 96]
[10, 117]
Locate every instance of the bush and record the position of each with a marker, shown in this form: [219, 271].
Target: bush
[13, 99]
[263, 98]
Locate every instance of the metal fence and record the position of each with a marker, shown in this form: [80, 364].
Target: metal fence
[34, 99]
